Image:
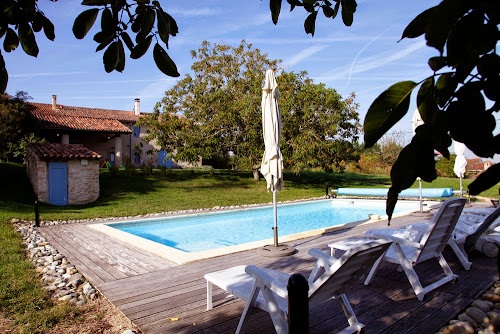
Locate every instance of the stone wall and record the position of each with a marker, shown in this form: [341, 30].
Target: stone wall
[83, 181]
[38, 175]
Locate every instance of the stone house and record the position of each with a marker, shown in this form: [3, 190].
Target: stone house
[113, 134]
[63, 174]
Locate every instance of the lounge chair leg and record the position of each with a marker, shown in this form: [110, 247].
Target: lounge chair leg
[461, 254]
[209, 295]
[248, 308]
[374, 269]
[349, 312]
[410, 272]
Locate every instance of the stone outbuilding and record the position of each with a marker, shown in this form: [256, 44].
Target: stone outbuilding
[63, 174]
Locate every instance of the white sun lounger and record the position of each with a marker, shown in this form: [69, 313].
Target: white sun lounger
[267, 289]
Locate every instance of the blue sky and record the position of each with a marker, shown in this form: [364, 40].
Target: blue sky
[365, 58]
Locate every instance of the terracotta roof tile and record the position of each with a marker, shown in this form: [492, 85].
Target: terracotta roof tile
[76, 118]
[47, 151]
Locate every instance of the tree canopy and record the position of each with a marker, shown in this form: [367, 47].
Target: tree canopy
[17, 126]
[217, 111]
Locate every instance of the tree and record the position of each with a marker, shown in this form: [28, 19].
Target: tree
[17, 126]
[21, 19]
[319, 127]
[217, 111]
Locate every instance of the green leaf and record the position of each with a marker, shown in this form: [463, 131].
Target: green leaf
[128, 41]
[489, 65]
[107, 21]
[148, 21]
[27, 39]
[11, 41]
[425, 100]
[120, 66]
[111, 57]
[174, 29]
[105, 42]
[48, 28]
[275, 6]
[336, 10]
[487, 179]
[37, 22]
[328, 11]
[164, 62]
[418, 26]
[310, 23]
[95, 2]
[387, 109]
[3, 30]
[445, 87]
[84, 22]
[347, 16]
[141, 48]
[349, 5]
[437, 63]
[163, 26]
[4, 76]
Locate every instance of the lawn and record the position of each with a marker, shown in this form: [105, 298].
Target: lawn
[124, 195]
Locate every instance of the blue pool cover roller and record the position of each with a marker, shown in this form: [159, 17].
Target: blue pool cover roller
[413, 192]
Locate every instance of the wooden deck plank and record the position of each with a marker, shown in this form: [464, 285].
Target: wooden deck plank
[149, 289]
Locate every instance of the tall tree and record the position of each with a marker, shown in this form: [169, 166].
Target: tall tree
[218, 110]
[319, 127]
[17, 126]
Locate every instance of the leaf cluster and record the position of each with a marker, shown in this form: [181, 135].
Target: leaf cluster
[19, 21]
[117, 16]
[312, 7]
[16, 126]
[453, 101]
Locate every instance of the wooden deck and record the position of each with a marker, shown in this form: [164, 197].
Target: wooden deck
[149, 289]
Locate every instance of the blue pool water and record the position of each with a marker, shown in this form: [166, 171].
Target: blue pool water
[195, 233]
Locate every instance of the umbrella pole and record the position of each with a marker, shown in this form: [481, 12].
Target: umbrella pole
[420, 186]
[460, 185]
[275, 210]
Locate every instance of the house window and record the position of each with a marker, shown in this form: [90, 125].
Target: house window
[137, 131]
[137, 158]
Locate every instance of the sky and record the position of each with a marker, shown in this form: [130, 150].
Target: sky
[366, 58]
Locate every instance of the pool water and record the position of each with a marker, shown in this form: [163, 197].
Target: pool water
[201, 232]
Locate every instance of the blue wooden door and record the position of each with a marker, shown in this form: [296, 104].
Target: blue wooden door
[58, 183]
[161, 160]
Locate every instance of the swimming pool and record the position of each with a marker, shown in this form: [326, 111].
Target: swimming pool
[190, 236]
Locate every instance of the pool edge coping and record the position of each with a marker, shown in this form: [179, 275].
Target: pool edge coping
[180, 257]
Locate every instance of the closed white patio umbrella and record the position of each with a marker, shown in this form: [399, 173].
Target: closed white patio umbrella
[272, 161]
[460, 162]
[416, 121]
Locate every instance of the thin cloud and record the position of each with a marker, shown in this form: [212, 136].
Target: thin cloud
[195, 12]
[108, 82]
[371, 63]
[304, 54]
[43, 74]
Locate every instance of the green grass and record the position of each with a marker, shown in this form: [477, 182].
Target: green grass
[123, 195]
[21, 296]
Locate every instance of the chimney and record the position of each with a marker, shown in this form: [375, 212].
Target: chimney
[137, 106]
[54, 101]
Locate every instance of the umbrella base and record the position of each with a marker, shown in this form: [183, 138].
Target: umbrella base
[280, 251]
[423, 214]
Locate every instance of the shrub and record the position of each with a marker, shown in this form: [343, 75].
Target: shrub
[113, 170]
[147, 169]
[162, 170]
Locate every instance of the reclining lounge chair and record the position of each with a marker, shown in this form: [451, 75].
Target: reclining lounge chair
[267, 289]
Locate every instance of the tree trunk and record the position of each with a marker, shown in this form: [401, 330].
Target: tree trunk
[256, 175]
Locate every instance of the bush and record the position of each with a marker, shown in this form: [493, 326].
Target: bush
[113, 170]
[147, 169]
[162, 170]
[129, 167]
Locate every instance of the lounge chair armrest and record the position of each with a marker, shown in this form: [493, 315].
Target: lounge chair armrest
[323, 259]
[264, 279]
[397, 240]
